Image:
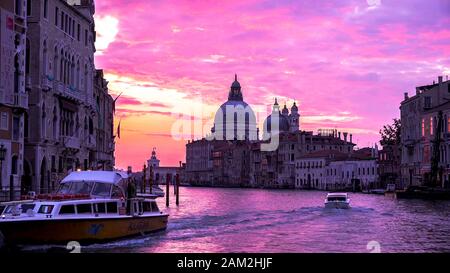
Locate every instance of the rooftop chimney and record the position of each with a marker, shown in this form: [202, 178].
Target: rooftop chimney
[345, 136]
[406, 96]
[339, 135]
[351, 138]
[440, 79]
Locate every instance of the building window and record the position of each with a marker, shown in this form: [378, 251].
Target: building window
[78, 32]
[427, 102]
[14, 164]
[62, 20]
[431, 126]
[85, 37]
[56, 16]
[16, 128]
[4, 121]
[28, 7]
[45, 8]
[18, 7]
[423, 127]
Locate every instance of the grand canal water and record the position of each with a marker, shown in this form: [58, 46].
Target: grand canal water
[256, 220]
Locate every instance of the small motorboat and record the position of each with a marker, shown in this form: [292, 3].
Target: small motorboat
[337, 200]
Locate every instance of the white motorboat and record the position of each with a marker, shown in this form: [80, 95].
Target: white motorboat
[337, 200]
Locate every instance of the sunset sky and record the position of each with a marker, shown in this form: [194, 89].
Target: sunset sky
[345, 63]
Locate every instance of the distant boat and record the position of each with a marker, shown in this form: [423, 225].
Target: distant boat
[377, 191]
[337, 200]
[423, 192]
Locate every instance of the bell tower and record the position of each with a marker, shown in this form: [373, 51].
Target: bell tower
[294, 118]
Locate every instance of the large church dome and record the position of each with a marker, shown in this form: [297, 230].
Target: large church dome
[235, 119]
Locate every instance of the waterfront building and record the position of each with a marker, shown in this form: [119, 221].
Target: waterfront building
[160, 172]
[336, 170]
[241, 161]
[103, 124]
[425, 135]
[13, 96]
[199, 162]
[69, 122]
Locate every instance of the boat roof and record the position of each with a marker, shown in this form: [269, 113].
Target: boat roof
[336, 194]
[112, 177]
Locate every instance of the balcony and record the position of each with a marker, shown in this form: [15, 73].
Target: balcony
[58, 87]
[46, 83]
[71, 142]
[21, 100]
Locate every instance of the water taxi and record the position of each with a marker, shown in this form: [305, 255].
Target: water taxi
[337, 200]
[89, 206]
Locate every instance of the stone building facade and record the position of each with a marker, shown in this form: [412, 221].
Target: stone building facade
[160, 173]
[13, 95]
[335, 170]
[57, 115]
[243, 162]
[425, 119]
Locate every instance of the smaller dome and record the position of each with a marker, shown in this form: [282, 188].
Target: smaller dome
[285, 111]
[294, 108]
[283, 124]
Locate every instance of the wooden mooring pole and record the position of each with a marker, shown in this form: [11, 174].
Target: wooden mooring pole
[167, 189]
[151, 179]
[143, 185]
[177, 181]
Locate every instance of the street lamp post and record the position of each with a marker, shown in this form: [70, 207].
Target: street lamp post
[2, 157]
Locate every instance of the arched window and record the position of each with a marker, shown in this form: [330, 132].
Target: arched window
[55, 123]
[72, 72]
[16, 74]
[77, 84]
[44, 59]
[55, 64]
[77, 127]
[85, 78]
[91, 126]
[27, 57]
[43, 127]
[61, 66]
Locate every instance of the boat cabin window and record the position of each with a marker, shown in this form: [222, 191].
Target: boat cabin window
[26, 207]
[46, 209]
[1, 209]
[81, 188]
[147, 206]
[64, 188]
[336, 198]
[84, 208]
[100, 208]
[102, 189]
[67, 209]
[111, 207]
[117, 193]
[154, 206]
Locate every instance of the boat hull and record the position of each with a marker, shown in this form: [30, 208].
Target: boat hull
[337, 205]
[81, 230]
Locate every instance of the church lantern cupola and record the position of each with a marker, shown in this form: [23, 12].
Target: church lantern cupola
[235, 91]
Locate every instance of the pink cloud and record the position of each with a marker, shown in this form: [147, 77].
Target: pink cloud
[330, 56]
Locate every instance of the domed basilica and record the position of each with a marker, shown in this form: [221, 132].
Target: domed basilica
[235, 119]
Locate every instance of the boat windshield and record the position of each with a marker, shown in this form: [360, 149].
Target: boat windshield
[337, 198]
[83, 187]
